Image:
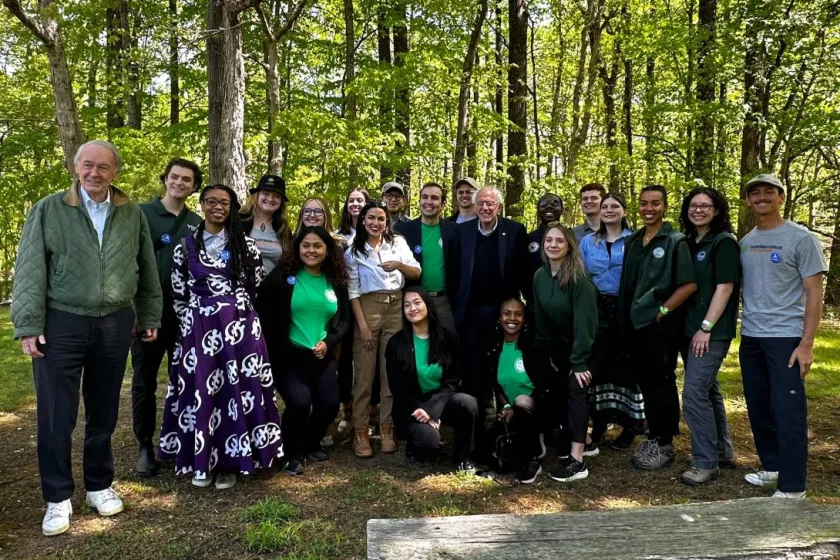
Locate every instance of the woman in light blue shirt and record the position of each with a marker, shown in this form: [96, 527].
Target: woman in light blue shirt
[616, 398]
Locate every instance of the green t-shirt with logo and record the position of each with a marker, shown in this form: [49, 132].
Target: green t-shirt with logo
[314, 304]
[512, 375]
[428, 375]
[433, 278]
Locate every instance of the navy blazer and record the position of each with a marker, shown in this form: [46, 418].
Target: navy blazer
[513, 261]
[412, 232]
[535, 249]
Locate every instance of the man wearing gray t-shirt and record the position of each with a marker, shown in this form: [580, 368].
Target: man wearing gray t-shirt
[783, 268]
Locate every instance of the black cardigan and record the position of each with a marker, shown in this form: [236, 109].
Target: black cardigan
[405, 386]
[274, 303]
[537, 365]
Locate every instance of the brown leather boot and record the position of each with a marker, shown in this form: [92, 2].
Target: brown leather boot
[361, 443]
[389, 442]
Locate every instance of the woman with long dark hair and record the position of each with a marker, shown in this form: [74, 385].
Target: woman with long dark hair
[220, 415]
[264, 219]
[710, 325]
[521, 395]
[424, 372]
[378, 262]
[305, 311]
[353, 204]
[657, 279]
[616, 397]
[566, 320]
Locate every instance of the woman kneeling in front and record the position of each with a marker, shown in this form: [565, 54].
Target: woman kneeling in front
[423, 362]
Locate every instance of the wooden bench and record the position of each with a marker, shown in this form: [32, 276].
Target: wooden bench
[736, 529]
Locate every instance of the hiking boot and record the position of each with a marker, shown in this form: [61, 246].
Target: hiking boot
[361, 443]
[569, 470]
[389, 443]
[762, 478]
[146, 464]
[624, 439]
[794, 495]
[651, 456]
[529, 473]
[697, 475]
[345, 423]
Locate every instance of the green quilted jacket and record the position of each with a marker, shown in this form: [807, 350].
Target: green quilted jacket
[61, 266]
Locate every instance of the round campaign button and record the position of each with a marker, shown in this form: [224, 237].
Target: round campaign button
[701, 255]
[418, 249]
[776, 257]
[166, 238]
[659, 252]
[534, 247]
[291, 280]
[225, 255]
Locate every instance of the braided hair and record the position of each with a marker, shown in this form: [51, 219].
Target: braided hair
[241, 261]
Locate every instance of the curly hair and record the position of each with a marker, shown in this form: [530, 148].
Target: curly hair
[333, 266]
[361, 238]
[721, 222]
[346, 225]
[241, 261]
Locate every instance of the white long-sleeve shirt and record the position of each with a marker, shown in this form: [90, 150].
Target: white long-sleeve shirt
[367, 276]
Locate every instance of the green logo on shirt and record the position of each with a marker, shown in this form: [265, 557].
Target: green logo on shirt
[519, 365]
[330, 295]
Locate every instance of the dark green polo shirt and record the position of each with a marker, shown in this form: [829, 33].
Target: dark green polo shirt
[717, 260]
[652, 273]
[161, 221]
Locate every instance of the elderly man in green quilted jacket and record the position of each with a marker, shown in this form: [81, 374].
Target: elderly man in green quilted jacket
[84, 265]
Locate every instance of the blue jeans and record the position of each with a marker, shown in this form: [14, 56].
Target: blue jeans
[777, 408]
[703, 406]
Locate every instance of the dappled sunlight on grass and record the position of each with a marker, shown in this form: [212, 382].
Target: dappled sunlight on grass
[459, 482]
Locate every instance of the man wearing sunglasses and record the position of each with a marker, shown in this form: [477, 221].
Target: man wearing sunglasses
[549, 209]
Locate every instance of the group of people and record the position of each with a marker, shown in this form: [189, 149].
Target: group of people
[467, 320]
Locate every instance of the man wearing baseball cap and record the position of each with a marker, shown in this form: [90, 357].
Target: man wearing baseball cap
[393, 194]
[783, 270]
[464, 188]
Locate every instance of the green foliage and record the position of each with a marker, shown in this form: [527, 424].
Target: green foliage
[275, 526]
[271, 510]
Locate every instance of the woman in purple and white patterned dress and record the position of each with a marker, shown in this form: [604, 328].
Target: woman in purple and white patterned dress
[220, 415]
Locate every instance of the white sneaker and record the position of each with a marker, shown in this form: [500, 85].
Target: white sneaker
[225, 481]
[762, 478]
[795, 495]
[105, 501]
[202, 481]
[57, 519]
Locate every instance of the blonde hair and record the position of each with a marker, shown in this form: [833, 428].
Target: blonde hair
[279, 222]
[571, 268]
[327, 218]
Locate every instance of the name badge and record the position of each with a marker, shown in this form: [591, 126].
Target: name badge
[225, 255]
[166, 238]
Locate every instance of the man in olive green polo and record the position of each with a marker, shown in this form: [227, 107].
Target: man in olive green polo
[169, 221]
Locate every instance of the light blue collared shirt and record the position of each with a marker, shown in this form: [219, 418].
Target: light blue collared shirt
[604, 267]
[98, 211]
[214, 244]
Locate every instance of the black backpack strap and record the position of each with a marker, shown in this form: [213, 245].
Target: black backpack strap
[159, 244]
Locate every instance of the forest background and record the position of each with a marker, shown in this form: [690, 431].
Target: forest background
[533, 96]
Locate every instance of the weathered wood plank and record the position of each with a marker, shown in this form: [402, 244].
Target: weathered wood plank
[735, 529]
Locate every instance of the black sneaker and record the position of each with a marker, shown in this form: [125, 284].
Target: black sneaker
[624, 439]
[569, 469]
[591, 449]
[146, 464]
[529, 473]
[318, 453]
[465, 466]
[292, 467]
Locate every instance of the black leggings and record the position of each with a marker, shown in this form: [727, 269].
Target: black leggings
[653, 356]
[528, 422]
[309, 389]
[460, 412]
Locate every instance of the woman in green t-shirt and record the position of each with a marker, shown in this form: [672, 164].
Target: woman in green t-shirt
[304, 310]
[520, 392]
[424, 373]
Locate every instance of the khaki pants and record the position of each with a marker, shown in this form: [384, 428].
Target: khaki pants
[383, 315]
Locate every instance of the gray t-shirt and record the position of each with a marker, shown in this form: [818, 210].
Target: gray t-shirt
[774, 262]
[582, 231]
[269, 246]
[461, 218]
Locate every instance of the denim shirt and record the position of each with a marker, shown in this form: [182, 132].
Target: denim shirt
[603, 267]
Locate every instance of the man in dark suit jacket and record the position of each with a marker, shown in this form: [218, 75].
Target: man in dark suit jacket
[494, 267]
[434, 242]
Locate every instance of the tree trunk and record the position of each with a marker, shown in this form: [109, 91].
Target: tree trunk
[402, 96]
[386, 93]
[498, 105]
[628, 187]
[272, 82]
[650, 118]
[46, 28]
[704, 124]
[349, 86]
[535, 105]
[720, 144]
[115, 68]
[832, 285]
[472, 144]
[174, 66]
[750, 133]
[577, 92]
[610, 122]
[135, 107]
[517, 105]
[226, 93]
[92, 91]
[464, 91]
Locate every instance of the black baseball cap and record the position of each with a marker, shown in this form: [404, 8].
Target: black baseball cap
[273, 183]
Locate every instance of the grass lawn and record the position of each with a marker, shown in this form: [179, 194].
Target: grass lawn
[322, 514]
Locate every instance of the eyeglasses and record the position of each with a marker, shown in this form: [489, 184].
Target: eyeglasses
[392, 196]
[704, 207]
[212, 203]
[491, 204]
[313, 212]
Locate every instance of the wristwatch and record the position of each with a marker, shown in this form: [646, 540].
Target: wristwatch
[705, 329]
[706, 326]
[664, 310]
